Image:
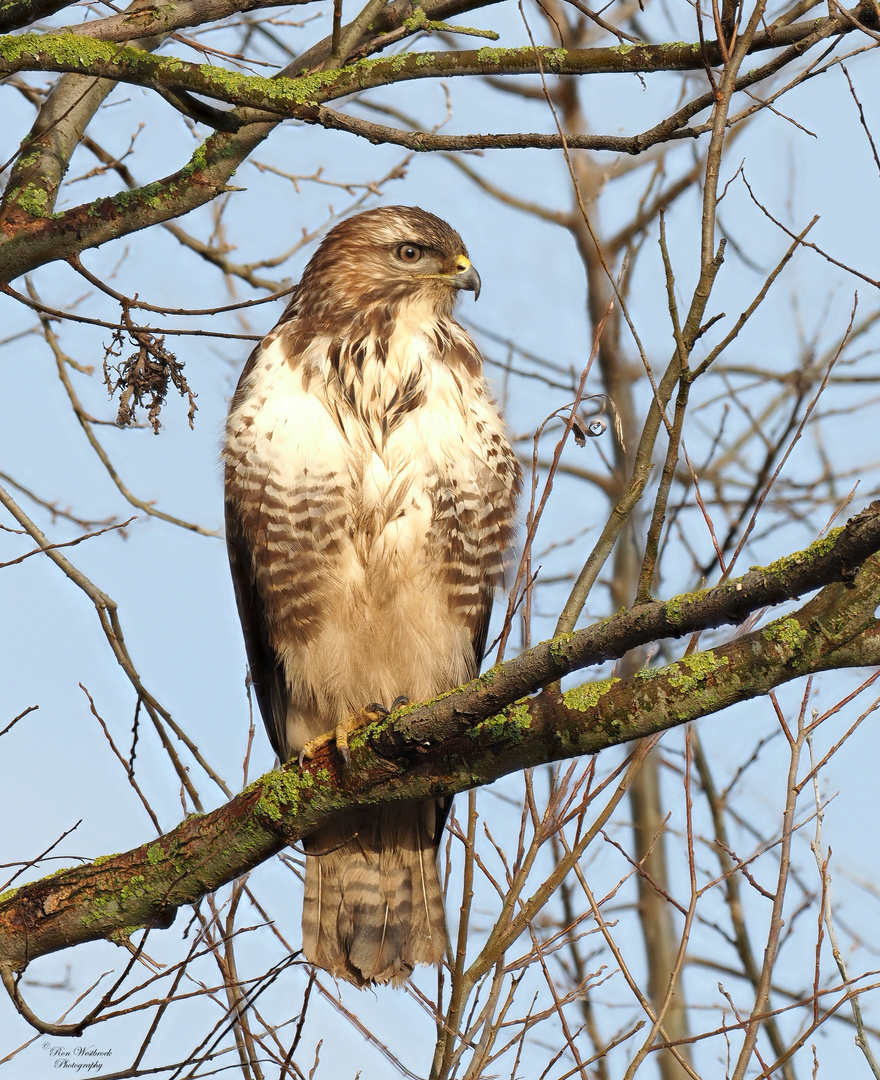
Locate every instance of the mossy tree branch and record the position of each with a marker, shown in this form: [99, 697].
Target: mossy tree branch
[203, 178]
[478, 733]
[69, 52]
[34, 235]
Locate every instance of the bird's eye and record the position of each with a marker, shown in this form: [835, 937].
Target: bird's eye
[409, 253]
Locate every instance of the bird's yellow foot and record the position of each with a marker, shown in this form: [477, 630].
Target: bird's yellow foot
[346, 727]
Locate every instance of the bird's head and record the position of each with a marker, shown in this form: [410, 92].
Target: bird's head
[389, 256]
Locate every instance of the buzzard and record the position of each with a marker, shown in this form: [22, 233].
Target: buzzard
[370, 500]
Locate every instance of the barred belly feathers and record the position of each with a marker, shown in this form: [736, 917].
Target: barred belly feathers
[370, 493]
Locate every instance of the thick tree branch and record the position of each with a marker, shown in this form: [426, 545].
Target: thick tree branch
[476, 734]
[263, 103]
[15, 14]
[148, 18]
[72, 53]
[203, 178]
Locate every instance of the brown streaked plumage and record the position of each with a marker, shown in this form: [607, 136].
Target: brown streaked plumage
[370, 494]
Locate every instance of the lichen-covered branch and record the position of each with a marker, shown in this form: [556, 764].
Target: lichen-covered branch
[204, 177]
[35, 235]
[70, 52]
[477, 734]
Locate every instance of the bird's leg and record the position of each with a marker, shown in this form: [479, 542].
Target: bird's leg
[346, 726]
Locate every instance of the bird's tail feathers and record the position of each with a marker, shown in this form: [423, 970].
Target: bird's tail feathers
[373, 909]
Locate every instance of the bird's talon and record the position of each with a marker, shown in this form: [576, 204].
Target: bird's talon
[347, 725]
[399, 702]
[314, 745]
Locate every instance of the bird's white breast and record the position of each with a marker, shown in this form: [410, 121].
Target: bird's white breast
[294, 433]
[280, 428]
[385, 624]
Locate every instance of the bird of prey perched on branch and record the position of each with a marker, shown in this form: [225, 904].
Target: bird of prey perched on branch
[370, 494]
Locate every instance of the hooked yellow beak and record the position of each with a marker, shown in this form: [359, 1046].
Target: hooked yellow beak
[466, 276]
